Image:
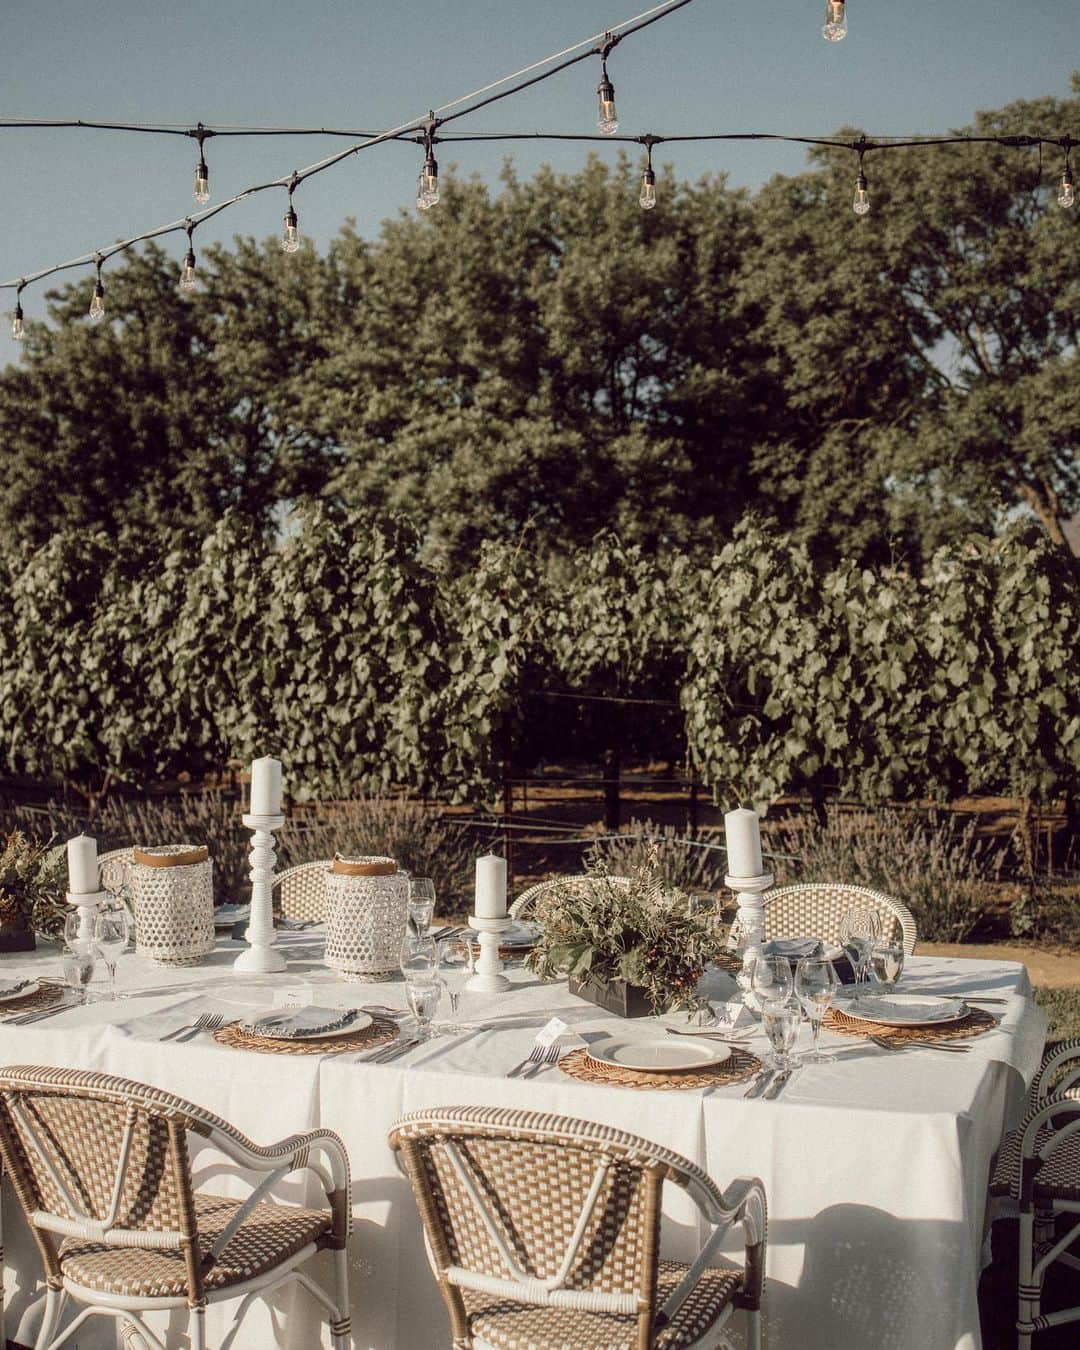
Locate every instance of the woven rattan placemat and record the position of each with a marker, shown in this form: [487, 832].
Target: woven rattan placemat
[381, 1031]
[974, 1024]
[45, 997]
[738, 1067]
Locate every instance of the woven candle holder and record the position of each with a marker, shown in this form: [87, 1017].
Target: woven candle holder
[173, 905]
[366, 917]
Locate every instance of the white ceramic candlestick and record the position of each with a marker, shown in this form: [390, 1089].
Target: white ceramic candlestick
[261, 957]
[488, 977]
[87, 907]
[751, 920]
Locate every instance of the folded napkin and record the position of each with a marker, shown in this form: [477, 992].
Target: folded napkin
[10, 987]
[794, 949]
[309, 1021]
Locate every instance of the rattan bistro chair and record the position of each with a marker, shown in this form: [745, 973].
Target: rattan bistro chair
[544, 1231]
[114, 868]
[302, 891]
[1038, 1165]
[815, 909]
[100, 1167]
[528, 900]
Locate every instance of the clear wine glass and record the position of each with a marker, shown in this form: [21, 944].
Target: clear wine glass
[421, 904]
[771, 980]
[860, 928]
[112, 932]
[781, 1023]
[455, 967]
[75, 934]
[419, 957]
[815, 988]
[78, 966]
[423, 995]
[887, 963]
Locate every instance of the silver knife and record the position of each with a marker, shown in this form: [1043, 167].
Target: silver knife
[777, 1085]
[394, 1050]
[763, 1078]
[40, 1014]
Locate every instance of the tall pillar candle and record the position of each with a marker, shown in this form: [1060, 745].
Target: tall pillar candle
[266, 787]
[490, 887]
[743, 836]
[82, 865]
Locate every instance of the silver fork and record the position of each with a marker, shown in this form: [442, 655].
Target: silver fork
[920, 1045]
[204, 1022]
[535, 1056]
[549, 1056]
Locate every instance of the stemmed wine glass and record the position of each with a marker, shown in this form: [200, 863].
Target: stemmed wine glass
[887, 962]
[455, 967]
[815, 988]
[112, 932]
[771, 980]
[421, 904]
[860, 928]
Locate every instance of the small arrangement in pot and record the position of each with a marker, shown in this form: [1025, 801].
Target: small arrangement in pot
[33, 884]
[626, 944]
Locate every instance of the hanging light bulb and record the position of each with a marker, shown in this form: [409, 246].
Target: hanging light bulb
[647, 196]
[1066, 197]
[97, 303]
[834, 28]
[607, 118]
[290, 234]
[861, 204]
[427, 185]
[188, 280]
[17, 331]
[202, 182]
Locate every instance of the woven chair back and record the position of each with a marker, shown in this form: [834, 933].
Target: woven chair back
[525, 906]
[92, 1162]
[544, 1210]
[302, 891]
[816, 909]
[114, 868]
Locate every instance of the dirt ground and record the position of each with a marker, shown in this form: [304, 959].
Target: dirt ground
[1048, 966]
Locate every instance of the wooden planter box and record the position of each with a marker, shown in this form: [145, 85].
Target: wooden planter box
[625, 1000]
[17, 936]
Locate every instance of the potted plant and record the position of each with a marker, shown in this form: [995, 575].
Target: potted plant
[33, 885]
[634, 950]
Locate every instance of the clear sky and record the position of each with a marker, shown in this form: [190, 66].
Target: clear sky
[758, 65]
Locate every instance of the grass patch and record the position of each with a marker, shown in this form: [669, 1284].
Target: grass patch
[1062, 1009]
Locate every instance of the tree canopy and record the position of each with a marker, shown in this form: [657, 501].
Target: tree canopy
[548, 359]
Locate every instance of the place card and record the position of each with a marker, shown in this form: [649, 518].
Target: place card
[557, 1032]
[296, 996]
[732, 1014]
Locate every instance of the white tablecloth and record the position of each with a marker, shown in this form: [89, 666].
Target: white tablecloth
[875, 1163]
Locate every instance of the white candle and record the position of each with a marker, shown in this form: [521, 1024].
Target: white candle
[82, 865]
[743, 843]
[491, 887]
[266, 787]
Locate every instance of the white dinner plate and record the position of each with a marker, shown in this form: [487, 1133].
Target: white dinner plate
[905, 1010]
[659, 1056]
[227, 915]
[360, 1022]
[30, 988]
[519, 934]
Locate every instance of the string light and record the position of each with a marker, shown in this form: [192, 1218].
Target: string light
[861, 204]
[17, 330]
[607, 117]
[647, 195]
[97, 301]
[188, 280]
[202, 173]
[1066, 197]
[290, 234]
[835, 27]
[427, 185]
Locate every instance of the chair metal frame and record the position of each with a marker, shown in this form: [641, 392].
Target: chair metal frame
[450, 1129]
[319, 1151]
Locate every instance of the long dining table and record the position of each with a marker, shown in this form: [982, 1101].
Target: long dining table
[875, 1162]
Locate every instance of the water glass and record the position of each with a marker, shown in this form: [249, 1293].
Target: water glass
[771, 980]
[887, 962]
[421, 904]
[78, 967]
[419, 958]
[781, 1023]
[423, 996]
[815, 988]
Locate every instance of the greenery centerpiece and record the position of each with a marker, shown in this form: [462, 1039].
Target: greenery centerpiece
[603, 933]
[33, 885]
